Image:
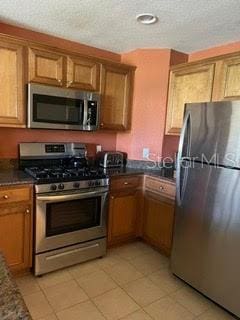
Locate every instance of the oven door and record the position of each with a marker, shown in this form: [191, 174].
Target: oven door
[70, 218]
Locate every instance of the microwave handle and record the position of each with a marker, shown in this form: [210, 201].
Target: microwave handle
[85, 113]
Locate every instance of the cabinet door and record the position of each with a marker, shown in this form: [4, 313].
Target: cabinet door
[227, 79]
[116, 100]
[83, 73]
[122, 217]
[45, 67]
[12, 108]
[16, 235]
[158, 222]
[188, 84]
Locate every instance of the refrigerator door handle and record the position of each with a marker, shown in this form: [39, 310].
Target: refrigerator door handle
[184, 152]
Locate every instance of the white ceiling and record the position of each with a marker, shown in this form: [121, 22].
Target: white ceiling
[184, 25]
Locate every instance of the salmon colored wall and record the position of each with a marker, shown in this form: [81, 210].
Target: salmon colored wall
[58, 42]
[10, 138]
[215, 51]
[149, 102]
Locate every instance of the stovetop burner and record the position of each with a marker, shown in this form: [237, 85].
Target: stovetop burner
[59, 174]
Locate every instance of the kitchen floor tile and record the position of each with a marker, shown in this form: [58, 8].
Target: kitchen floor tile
[192, 300]
[109, 260]
[84, 311]
[27, 284]
[38, 305]
[144, 291]
[137, 315]
[115, 304]
[53, 278]
[123, 272]
[64, 295]
[131, 251]
[149, 263]
[96, 283]
[165, 280]
[168, 309]
[50, 317]
[85, 268]
[215, 313]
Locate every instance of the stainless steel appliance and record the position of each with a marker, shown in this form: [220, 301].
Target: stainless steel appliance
[71, 205]
[207, 227]
[111, 159]
[57, 108]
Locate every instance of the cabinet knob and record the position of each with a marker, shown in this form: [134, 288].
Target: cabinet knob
[27, 211]
[59, 80]
[112, 197]
[161, 188]
[126, 183]
[101, 125]
[5, 196]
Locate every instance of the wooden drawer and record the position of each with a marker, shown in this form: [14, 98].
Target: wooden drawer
[125, 182]
[160, 186]
[14, 194]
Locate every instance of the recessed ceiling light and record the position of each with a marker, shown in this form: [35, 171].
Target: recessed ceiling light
[146, 18]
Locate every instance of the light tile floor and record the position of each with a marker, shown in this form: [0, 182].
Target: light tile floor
[132, 282]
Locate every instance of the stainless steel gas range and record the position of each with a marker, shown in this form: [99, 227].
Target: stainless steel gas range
[71, 205]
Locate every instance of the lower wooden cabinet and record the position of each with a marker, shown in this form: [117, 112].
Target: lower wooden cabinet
[16, 227]
[123, 216]
[158, 221]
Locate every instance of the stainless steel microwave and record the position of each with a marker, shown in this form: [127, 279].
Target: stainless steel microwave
[58, 108]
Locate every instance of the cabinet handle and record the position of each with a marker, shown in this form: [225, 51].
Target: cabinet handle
[126, 183]
[5, 196]
[161, 188]
[27, 211]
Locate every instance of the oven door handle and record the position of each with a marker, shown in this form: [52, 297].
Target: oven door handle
[68, 197]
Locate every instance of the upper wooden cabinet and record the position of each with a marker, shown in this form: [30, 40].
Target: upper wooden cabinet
[187, 84]
[116, 91]
[12, 96]
[83, 73]
[227, 83]
[45, 67]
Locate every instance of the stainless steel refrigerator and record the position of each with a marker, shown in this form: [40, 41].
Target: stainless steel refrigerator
[206, 242]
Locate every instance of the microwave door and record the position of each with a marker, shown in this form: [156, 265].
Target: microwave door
[58, 108]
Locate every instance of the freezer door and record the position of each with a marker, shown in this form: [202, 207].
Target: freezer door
[215, 132]
[207, 234]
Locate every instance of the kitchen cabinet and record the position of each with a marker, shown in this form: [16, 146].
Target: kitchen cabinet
[12, 93]
[16, 226]
[158, 216]
[188, 83]
[227, 79]
[116, 103]
[83, 73]
[45, 67]
[124, 205]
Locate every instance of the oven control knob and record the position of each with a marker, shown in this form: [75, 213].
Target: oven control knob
[53, 187]
[76, 185]
[98, 183]
[91, 183]
[61, 186]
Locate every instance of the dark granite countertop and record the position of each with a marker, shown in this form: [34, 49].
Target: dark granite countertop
[132, 171]
[12, 306]
[12, 177]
